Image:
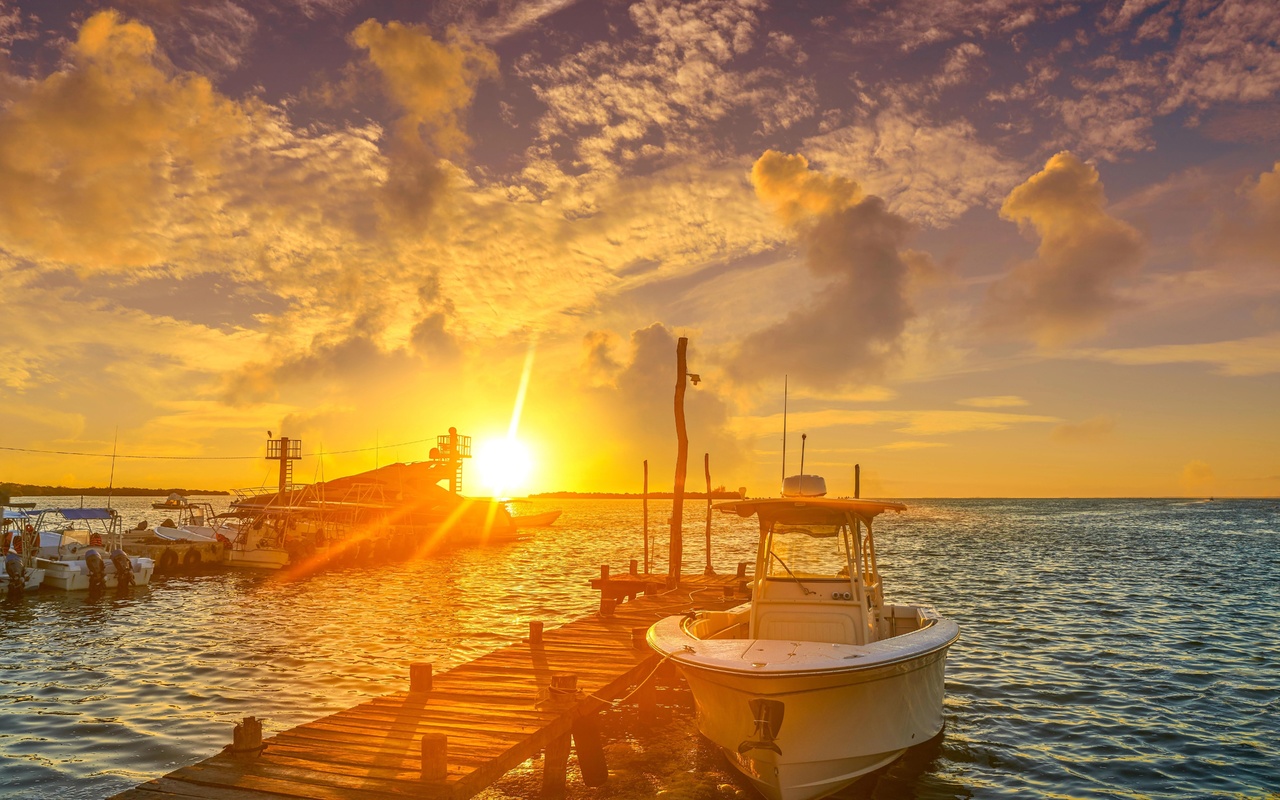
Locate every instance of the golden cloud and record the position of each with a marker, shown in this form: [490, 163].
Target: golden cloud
[431, 82]
[1070, 288]
[797, 194]
[1254, 232]
[857, 247]
[101, 160]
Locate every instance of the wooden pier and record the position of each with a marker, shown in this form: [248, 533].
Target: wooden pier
[456, 732]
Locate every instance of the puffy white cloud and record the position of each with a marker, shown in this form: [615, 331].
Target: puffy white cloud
[929, 173]
[1253, 232]
[856, 245]
[102, 161]
[1070, 288]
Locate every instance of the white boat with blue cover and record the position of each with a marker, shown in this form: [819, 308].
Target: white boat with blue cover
[817, 681]
[80, 545]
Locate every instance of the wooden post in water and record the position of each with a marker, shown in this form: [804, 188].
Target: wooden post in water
[555, 761]
[246, 737]
[857, 480]
[706, 465]
[591, 759]
[645, 506]
[676, 551]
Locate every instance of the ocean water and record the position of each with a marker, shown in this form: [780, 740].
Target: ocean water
[1109, 648]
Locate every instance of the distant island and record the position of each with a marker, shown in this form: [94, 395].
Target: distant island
[9, 490]
[716, 494]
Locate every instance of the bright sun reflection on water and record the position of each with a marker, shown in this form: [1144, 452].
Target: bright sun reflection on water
[502, 466]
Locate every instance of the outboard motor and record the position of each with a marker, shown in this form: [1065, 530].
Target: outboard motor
[124, 568]
[97, 570]
[17, 573]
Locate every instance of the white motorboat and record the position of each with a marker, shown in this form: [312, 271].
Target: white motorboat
[73, 541]
[194, 524]
[17, 527]
[817, 681]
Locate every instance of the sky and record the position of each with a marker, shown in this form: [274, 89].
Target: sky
[993, 248]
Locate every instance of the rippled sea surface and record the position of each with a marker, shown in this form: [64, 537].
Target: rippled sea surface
[1109, 648]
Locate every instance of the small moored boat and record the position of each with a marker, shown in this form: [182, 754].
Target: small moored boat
[19, 543]
[174, 501]
[817, 681]
[541, 520]
[86, 546]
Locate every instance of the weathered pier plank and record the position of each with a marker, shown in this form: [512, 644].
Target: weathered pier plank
[475, 722]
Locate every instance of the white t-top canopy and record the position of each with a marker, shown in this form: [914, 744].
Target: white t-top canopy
[807, 509]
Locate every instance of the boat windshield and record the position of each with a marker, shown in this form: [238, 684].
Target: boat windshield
[808, 551]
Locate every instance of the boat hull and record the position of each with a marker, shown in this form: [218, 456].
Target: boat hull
[541, 520]
[34, 578]
[802, 720]
[73, 576]
[830, 729]
[259, 558]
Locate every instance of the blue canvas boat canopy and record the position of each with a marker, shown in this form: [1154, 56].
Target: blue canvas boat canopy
[85, 513]
[17, 513]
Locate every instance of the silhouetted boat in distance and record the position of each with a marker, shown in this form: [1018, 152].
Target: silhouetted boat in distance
[174, 501]
[396, 511]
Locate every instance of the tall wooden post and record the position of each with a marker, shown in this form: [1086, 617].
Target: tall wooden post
[682, 465]
[857, 480]
[645, 506]
[706, 465]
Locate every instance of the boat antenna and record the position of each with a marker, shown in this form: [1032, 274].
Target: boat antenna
[784, 429]
[111, 481]
[803, 436]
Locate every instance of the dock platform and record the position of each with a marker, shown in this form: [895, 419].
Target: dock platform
[456, 732]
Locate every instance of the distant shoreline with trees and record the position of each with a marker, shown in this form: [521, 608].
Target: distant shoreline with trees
[9, 490]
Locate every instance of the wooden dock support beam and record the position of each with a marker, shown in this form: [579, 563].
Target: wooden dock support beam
[535, 633]
[647, 700]
[586, 741]
[555, 763]
[420, 677]
[435, 756]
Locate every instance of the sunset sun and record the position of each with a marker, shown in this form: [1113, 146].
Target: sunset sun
[502, 466]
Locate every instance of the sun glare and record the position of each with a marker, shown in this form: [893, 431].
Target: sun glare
[502, 466]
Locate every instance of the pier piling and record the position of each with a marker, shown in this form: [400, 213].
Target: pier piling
[590, 749]
[420, 677]
[435, 756]
[246, 738]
